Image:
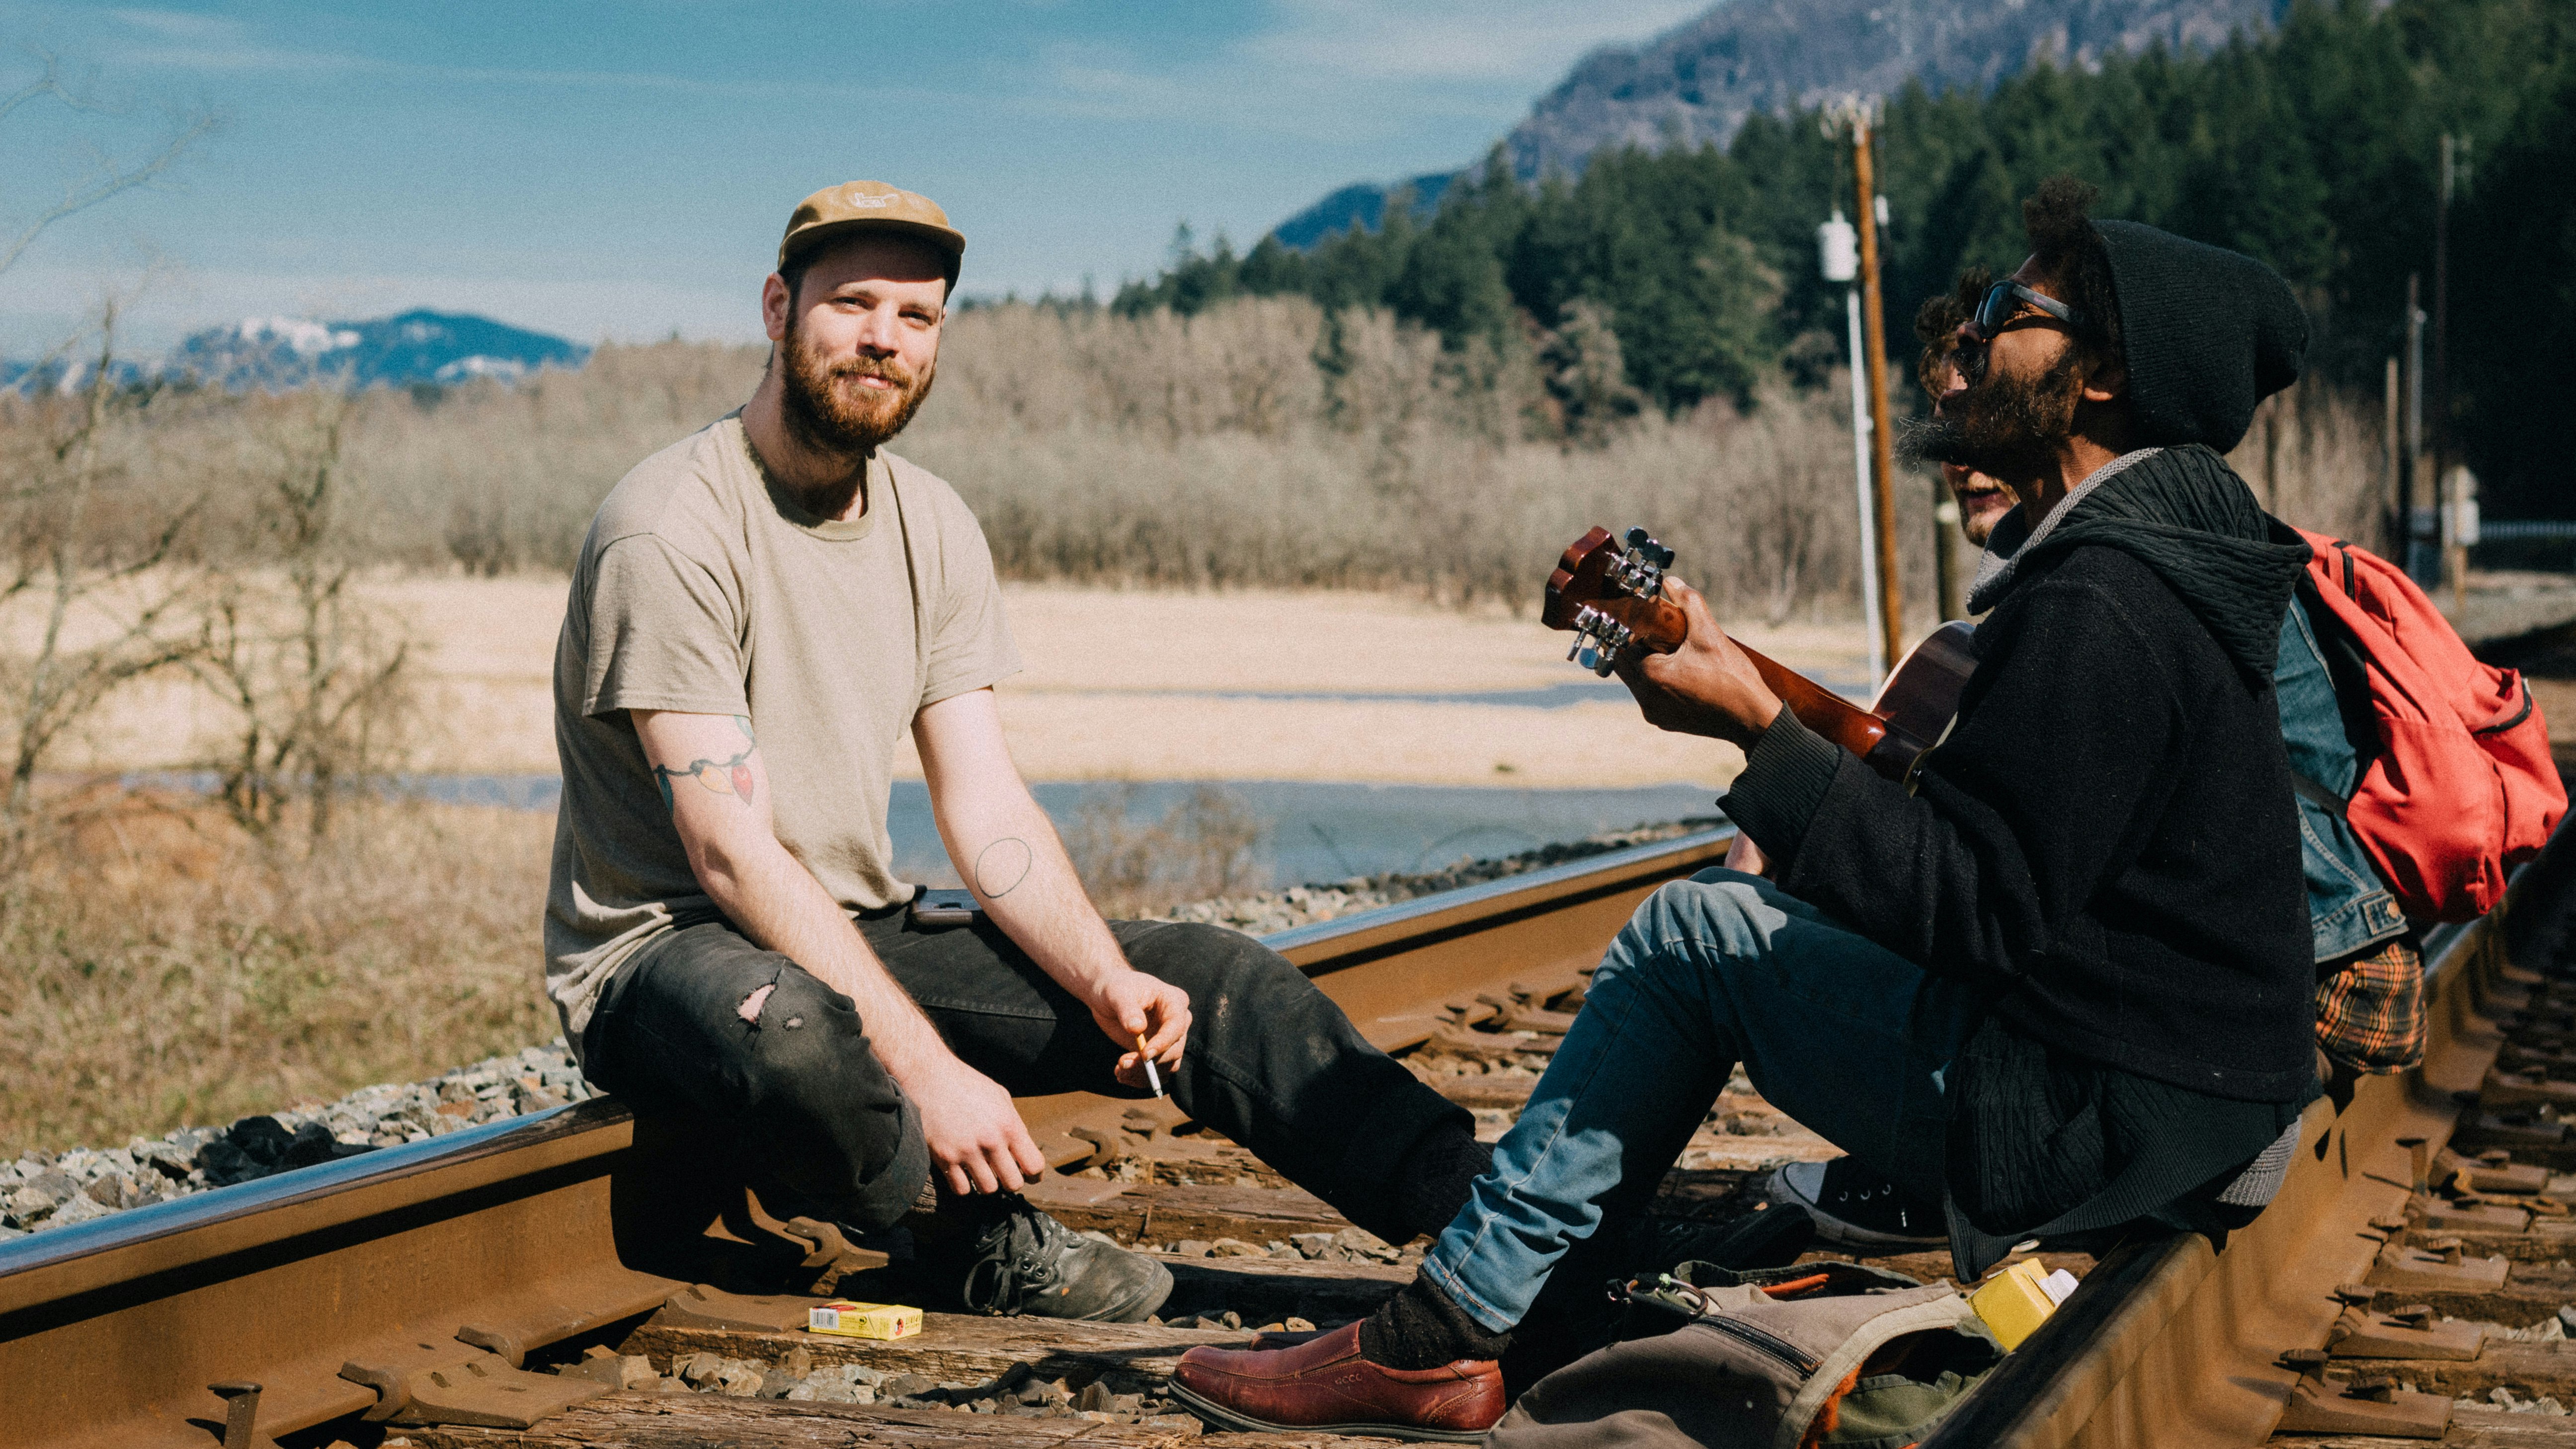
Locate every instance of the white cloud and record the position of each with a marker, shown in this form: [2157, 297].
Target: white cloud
[1530, 42]
[180, 24]
[1344, 71]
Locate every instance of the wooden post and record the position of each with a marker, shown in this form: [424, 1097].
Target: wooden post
[1948, 588]
[2393, 503]
[1891, 597]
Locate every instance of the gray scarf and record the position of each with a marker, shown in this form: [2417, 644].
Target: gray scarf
[2004, 546]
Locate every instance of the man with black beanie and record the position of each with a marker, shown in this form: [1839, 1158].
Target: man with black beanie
[2060, 984]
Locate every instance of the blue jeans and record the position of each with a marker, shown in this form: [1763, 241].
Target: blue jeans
[1848, 1038]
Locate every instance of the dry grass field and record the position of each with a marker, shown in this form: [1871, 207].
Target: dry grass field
[158, 968]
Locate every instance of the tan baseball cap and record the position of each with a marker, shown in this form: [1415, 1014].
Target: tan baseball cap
[870, 206]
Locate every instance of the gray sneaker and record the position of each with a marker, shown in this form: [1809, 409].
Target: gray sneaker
[1857, 1208]
[1021, 1261]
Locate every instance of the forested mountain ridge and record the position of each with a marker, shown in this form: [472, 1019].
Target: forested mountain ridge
[2313, 144]
[1700, 80]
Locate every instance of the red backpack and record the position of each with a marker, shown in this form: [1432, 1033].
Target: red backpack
[2461, 787]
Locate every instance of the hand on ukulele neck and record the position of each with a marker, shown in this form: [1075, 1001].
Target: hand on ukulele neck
[1707, 686]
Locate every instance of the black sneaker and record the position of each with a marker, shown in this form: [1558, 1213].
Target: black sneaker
[1015, 1259]
[1857, 1208]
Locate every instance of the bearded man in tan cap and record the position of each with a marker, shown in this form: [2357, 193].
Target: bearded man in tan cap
[759, 614]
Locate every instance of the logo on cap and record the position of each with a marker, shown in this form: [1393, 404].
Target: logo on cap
[856, 197]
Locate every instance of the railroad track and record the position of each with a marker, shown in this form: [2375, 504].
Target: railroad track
[417, 1293]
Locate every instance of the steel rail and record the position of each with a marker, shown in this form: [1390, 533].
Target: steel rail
[523, 1233]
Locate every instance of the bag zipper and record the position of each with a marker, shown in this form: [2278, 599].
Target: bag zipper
[1771, 1343]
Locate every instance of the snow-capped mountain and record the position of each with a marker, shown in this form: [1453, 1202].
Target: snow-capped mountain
[434, 347]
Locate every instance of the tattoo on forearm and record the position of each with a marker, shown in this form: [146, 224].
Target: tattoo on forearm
[724, 777]
[1001, 866]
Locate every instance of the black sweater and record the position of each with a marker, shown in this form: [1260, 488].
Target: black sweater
[2106, 845]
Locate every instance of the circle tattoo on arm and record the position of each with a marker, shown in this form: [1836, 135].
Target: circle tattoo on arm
[1001, 866]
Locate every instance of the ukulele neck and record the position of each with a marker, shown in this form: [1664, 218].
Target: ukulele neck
[1819, 708]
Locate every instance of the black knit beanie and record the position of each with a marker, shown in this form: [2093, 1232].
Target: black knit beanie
[2208, 332]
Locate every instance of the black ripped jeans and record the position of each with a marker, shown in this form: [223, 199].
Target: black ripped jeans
[1271, 1062]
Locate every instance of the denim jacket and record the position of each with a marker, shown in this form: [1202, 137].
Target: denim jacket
[2349, 907]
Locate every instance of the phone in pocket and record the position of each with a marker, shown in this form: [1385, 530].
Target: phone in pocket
[944, 907]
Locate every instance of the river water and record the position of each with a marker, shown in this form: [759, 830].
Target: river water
[1311, 831]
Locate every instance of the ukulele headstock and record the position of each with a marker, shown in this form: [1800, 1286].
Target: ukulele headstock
[1610, 593]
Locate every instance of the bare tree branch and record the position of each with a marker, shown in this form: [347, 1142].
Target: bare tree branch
[110, 178]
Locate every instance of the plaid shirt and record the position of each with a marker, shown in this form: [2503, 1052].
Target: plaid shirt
[2370, 1008]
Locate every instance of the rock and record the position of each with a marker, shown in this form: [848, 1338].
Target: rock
[601, 1366]
[224, 1164]
[1296, 1325]
[1312, 1245]
[907, 1385]
[40, 1195]
[166, 1157]
[740, 1380]
[80, 1207]
[701, 1369]
[1234, 1248]
[777, 1383]
[1191, 1247]
[110, 1191]
[1094, 1398]
[264, 1140]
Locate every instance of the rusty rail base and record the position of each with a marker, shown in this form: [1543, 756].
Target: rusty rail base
[523, 1234]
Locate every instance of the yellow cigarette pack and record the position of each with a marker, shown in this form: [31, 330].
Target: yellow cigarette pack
[2016, 1301]
[864, 1320]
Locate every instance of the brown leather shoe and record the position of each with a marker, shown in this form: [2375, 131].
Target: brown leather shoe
[1325, 1384]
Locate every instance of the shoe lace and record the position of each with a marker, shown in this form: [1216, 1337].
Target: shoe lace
[1015, 1260]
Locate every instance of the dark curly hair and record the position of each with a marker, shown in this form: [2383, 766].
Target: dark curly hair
[2068, 251]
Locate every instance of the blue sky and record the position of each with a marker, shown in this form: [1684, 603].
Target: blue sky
[622, 171]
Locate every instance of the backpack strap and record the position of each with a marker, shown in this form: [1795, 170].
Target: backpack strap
[2524, 713]
[2318, 795]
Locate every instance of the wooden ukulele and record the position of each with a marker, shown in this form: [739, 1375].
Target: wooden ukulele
[1611, 595]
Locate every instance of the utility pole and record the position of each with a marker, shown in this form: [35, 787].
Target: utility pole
[2412, 474]
[1891, 599]
[2448, 492]
[1838, 258]
[2392, 460]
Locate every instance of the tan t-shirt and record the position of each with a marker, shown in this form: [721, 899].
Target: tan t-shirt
[703, 588]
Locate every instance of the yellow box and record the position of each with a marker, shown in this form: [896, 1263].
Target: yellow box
[864, 1320]
[2013, 1303]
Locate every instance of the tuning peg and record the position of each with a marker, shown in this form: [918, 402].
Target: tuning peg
[1639, 538]
[1663, 557]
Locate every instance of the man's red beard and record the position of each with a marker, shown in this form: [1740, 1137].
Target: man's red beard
[830, 411]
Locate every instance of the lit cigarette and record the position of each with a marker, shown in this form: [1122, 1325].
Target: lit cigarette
[1153, 1078]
